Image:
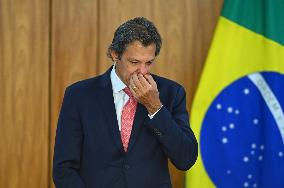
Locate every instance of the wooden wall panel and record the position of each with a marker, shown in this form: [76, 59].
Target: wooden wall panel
[42, 53]
[24, 26]
[74, 50]
[202, 17]
[186, 27]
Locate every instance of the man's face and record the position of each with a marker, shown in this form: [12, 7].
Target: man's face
[135, 59]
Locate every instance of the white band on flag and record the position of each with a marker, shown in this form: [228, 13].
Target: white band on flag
[270, 99]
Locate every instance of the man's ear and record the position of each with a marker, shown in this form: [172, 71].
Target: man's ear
[114, 56]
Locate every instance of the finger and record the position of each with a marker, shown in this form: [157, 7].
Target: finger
[143, 80]
[131, 83]
[133, 92]
[150, 80]
[136, 81]
[132, 86]
[133, 89]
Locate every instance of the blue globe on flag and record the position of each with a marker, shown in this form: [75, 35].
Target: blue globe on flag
[242, 135]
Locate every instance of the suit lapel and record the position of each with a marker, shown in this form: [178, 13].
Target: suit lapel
[108, 107]
[140, 115]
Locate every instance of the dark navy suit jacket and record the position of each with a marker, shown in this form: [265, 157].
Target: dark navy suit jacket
[88, 149]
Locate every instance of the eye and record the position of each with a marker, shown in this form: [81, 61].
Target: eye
[133, 62]
[149, 62]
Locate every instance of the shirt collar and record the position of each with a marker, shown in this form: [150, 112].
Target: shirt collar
[117, 84]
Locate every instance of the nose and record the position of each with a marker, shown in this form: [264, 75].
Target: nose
[143, 69]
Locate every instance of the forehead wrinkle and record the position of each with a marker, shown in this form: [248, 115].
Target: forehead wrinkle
[140, 60]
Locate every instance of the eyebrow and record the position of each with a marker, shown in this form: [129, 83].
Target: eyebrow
[133, 59]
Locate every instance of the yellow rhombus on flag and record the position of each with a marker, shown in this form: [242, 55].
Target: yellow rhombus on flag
[237, 113]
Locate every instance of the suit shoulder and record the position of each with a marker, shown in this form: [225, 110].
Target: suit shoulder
[82, 84]
[85, 86]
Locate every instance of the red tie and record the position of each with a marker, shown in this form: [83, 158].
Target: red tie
[127, 117]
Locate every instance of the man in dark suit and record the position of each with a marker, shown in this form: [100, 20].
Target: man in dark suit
[119, 129]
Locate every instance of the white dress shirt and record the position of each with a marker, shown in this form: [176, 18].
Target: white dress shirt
[120, 97]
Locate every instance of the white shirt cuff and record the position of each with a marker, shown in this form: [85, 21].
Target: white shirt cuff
[152, 116]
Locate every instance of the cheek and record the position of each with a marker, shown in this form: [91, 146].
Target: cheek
[148, 68]
[127, 74]
[130, 70]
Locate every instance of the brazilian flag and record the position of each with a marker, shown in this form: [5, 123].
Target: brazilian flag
[237, 113]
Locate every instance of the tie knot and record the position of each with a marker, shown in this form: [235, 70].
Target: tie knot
[128, 92]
